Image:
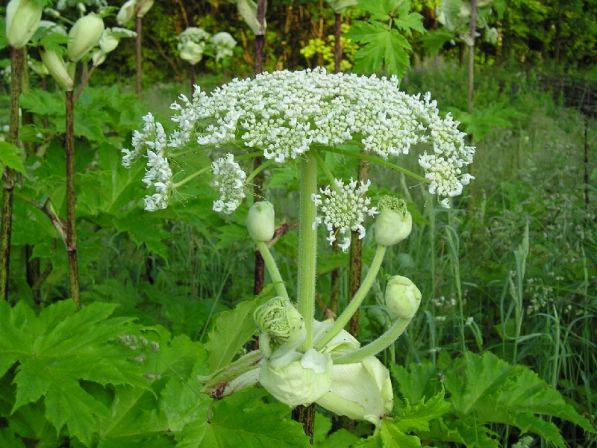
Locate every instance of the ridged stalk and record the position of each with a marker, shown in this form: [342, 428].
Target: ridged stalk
[17, 61]
[71, 234]
[307, 256]
[338, 42]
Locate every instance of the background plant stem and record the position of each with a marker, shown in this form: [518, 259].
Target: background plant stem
[138, 54]
[17, 60]
[471, 58]
[356, 257]
[337, 42]
[71, 234]
[259, 273]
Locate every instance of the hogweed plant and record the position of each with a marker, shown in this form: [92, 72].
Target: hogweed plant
[296, 117]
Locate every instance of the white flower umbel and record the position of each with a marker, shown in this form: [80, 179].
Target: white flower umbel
[344, 209]
[152, 141]
[229, 181]
[284, 113]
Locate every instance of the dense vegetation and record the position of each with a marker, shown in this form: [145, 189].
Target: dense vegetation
[501, 351]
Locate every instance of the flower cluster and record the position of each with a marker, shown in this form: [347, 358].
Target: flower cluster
[223, 43]
[344, 209]
[192, 43]
[152, 141]
[284, 113]
[229, 181]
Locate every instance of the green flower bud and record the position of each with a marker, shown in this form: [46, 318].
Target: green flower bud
[109, 41]
[126, 12]
[281, 322]
[191, 52]
[260, 221]
[340, 5]
[360, 391]
[57, 68]
[98, 57]
[394, 222]
[84, 35]
[297, 379]
[143, 7]
[342, 343]
[402, 298]
[38, 67]
[248, 11]
[22, 19]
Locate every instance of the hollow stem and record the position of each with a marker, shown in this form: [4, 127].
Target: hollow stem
[71, 233]
[356, 301]
[307, 245]
[17, 60]
[381, 343]
[272, 269]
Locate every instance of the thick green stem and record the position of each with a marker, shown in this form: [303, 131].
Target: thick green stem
[17, 63]
[358, 298]
[307, 245]
[272, 269]
[381, 343]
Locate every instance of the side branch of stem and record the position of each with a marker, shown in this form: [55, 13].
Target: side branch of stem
[272, 269]
[356, 301]
[376, 160]
[381, 343]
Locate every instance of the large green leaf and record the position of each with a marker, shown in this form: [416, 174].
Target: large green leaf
[417, 416]
[393, 437]
[490, 390]
[416, 383]
[383, 48]
[244, 420]
[11, 156]
[58, 351]
[231, 330]
[475, 378]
